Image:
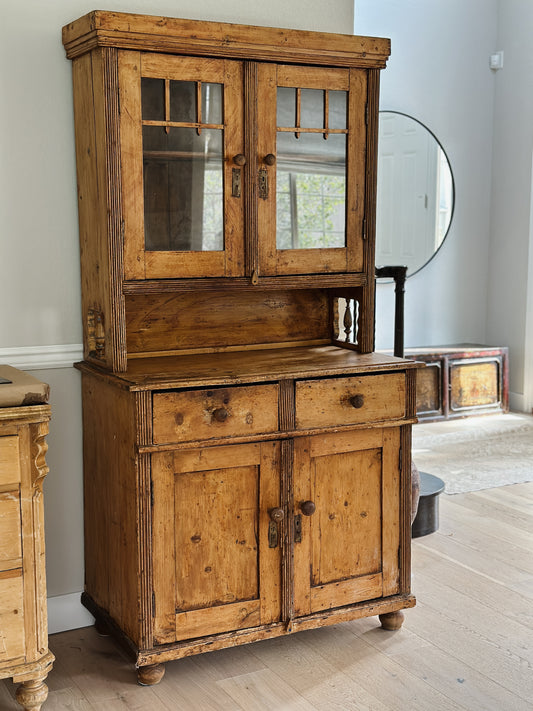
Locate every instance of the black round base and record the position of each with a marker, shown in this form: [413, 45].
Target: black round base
[427, 517]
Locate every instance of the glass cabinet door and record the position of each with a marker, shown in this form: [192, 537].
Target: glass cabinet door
[311, 168]
[182, 157]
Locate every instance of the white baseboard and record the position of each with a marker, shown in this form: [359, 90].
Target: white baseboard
[65, 612]
[42, 357]
[518, 403]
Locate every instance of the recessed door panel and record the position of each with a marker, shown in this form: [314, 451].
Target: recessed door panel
[348, 550]
[214, 567]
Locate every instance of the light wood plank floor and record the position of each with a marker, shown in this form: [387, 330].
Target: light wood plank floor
[467, 644]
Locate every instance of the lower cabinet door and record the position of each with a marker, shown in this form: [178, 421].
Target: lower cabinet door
[216, 560]
[347, 518]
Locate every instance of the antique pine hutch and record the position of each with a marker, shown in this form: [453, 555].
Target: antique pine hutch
[247, 454]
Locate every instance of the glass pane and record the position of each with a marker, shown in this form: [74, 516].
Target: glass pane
[183, 101]
[311, 191]
[212, 103]
[153, 99]
[312, 108]
[183, 189]
[286, 107]
[338, 109]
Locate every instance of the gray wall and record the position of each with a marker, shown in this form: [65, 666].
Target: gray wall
[439, 74]
[478, 289]
[510, 276]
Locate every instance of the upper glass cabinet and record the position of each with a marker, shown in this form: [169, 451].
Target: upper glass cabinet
[311, 158]
[187, 155]
[311, 168]
[182, 156]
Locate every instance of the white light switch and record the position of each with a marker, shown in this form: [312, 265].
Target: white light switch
[496, 60]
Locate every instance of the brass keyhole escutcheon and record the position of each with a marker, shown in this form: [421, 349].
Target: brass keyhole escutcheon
[308, 508]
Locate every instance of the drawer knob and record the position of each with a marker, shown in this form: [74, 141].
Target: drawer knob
[239, 159]
[270, 159]
[220, 414]
[307, 508]
[357, 401]
[276, 515]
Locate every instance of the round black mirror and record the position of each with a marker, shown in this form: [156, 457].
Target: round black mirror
[415, 193]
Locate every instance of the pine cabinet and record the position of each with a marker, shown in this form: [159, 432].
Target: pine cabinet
[246, 452]
[24, 653]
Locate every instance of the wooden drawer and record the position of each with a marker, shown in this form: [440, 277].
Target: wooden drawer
[10, 531]
[9, 460]
[190, 415]
[12, 644]
[348, 401]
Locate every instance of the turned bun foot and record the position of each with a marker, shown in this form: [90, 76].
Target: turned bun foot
[392, 620]
[101, 628]
[31, 695]
[151, 674]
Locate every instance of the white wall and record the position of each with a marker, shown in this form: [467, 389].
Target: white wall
[39, 258]
[439, 73]
[510, 297]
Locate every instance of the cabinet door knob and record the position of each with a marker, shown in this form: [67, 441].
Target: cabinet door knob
[239, 159]
[357, 401]
[220, 414]
[276, 515]
[307, 508]
[270, 159]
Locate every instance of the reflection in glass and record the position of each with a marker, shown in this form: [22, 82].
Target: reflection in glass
[310, 191]
[183, 101]
[153, 99]
[338, 109]
[415, 194]
[183, 189]
[286, 106]
[312, 108]
[212, 103]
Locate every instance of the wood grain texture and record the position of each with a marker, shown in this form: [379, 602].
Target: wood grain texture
[99, 197]
[205, 414]
[343, 401]
[163, 373]
[111, 513]
[221, 319]
[366, 330]
[305, 281]
[24, 654]
[222, 39]
[213, 568]
[10, 530]
[352, 537]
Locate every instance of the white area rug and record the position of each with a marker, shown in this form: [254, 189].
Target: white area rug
[476, 452]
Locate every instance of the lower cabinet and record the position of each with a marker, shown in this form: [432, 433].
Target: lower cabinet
[220, 530]
[245, 533]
